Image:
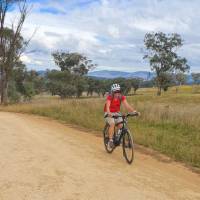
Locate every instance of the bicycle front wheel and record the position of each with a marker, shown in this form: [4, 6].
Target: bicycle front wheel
[127, 146]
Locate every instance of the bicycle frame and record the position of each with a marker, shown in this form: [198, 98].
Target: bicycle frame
[124, 123]
[124, 129]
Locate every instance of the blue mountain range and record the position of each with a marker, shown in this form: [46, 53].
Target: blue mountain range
[106, 74]
[119, 74]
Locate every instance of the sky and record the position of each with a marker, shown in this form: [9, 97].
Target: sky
[110, 32]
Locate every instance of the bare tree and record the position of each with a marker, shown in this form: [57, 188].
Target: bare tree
[11, 43]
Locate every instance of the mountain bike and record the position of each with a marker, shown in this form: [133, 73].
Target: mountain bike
[123, 137]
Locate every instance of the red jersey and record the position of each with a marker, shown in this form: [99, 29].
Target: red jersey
[114, 103]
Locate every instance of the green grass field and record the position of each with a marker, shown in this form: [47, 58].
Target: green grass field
[169, 124]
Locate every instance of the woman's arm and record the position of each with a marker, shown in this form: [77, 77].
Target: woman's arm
[127, 106]
[108, 102]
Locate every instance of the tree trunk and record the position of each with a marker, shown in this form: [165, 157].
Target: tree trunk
[6, 92]
[159, 91]
[176, 89]
[4, 88]
[159, 88]
[158, 82]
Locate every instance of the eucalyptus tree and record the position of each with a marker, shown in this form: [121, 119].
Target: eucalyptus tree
[162, 55]
[196, 78]
[74, 67]
[74, 63]
[135, 83]
[180, 79]
[11, 42]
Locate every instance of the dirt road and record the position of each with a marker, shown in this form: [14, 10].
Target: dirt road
[41, 159]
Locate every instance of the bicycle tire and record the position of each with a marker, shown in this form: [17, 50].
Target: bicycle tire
[128, 147]
[106, 138]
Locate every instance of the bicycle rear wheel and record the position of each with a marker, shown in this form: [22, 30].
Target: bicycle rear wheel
[127, 146]
[106, 139]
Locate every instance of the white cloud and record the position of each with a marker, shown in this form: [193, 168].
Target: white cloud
[38, 62]
[26, 59]
[30, 61]
[110, 32]
[113, 31]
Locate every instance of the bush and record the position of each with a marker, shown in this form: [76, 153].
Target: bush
[67, 91]
[29, 91]
[13, 95]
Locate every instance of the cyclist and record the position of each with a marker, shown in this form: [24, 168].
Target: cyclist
[112, 108]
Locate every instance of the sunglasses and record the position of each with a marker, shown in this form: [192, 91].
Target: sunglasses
[117, 91]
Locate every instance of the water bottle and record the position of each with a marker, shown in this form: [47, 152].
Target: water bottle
[118, 134]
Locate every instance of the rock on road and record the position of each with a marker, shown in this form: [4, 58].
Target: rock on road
[41, 159]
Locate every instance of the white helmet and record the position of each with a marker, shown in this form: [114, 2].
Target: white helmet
[115, 87]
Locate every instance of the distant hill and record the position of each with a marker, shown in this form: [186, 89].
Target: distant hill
[116, 74]
[106, 74]
[189, 79]
[41, 72]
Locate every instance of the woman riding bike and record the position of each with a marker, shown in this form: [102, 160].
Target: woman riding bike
[112, 108]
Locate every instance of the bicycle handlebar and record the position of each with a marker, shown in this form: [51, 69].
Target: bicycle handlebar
[133, 114]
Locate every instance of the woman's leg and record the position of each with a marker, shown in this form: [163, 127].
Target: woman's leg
[111, 131]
